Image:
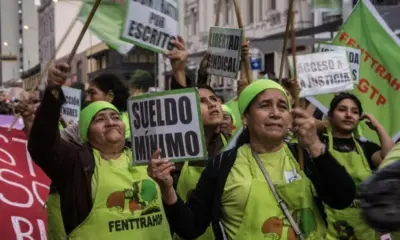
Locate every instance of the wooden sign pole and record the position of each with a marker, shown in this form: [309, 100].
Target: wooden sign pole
[246, 60]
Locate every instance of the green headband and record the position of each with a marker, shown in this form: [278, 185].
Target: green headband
[227, 109]
[255, 88]
[87, 115]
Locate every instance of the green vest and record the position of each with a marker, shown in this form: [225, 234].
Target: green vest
[262, 218]
[55, 226]
[127, 204]
[187, 181]
[348, 223]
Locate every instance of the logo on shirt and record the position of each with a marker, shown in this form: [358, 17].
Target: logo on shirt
[139, 206]
[291, 176]
[141, 197]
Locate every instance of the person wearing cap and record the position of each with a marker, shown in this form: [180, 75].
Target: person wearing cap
[102, 196]
[228, 121]
[216, 140]
[233, 194]
[359, 157]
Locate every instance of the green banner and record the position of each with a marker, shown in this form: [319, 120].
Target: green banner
[107, 22]
[379, 84]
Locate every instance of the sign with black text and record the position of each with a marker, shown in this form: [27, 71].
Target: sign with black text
[151, 24]
[170, 121]
[224, 47]
[322, 73]
[72, 107]
[353, 54]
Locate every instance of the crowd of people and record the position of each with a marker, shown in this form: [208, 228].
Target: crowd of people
[255, 185]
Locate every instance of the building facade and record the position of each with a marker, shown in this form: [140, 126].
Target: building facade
[55, 19]
[19, 38]
[10, 18]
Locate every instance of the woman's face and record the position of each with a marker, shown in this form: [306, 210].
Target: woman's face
[106, 127]
[268, 116]
[346, 116]
[211, 109]
[93, 94]
[226, 125]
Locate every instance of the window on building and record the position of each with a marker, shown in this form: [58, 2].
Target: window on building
[272, 4]
[195, 21]
[79, 71]
[152, 58]
[261, 10]
[250, 12]
[227, 12]
[142, 58]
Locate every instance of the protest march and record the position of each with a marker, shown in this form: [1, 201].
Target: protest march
[178, 123]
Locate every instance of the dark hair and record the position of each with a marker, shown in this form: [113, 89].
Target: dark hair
[110, 82]
[342, 96]
[6, 108]
[206, 86]
[141, 79]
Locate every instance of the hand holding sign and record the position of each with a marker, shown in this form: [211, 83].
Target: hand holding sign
[160, 170]
[58, 74]
[305, 128]
[178, 55]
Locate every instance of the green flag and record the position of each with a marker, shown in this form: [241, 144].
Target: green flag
[107, 22]
[379, 81]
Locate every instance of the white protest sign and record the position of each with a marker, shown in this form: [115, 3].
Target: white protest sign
[72, 107]
[170, 121]
[151, 24]
[353, 55]
[224, 47]
[322, 73]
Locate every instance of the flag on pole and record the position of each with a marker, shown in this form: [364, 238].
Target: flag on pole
[107, 22]
[379, 81]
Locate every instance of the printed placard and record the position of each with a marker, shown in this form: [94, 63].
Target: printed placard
[170, 121]
[353, 55]
[224, 47]
[322, 73]
[151, 24]
[71, 109]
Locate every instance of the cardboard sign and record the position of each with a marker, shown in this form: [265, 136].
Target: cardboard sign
[322, 73]
[71, 109]
[224, 47]
[353, 55]
[151, 24]
[23, 190]
[170, 121]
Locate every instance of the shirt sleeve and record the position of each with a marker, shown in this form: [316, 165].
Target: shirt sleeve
[47, 149]
[369, 149]
[191, 220]
[332, 183]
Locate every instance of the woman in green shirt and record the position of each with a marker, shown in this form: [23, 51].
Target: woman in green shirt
[233, 193]
[102, 196]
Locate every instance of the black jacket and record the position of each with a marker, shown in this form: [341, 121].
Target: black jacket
[333, 184]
